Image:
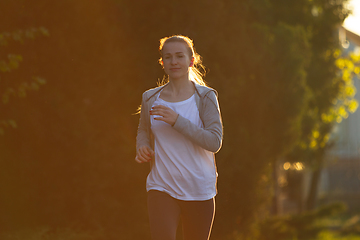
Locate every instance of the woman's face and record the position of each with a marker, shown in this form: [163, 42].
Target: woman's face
[176, 60]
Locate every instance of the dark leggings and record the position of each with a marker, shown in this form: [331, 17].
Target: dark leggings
[165, 212]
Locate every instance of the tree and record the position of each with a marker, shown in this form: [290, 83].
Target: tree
[332, 94]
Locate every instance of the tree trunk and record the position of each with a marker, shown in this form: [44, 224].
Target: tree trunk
[275, 204]
[314, 185]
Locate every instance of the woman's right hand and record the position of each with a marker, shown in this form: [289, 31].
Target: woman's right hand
[144, 154]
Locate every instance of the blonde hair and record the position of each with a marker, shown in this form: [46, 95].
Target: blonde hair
[197, 71]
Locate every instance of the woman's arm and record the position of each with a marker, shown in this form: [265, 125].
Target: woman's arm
[209, 137]
[143, 146]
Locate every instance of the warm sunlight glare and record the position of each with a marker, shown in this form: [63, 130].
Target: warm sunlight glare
[287, 165]
[299, 166]
[294, 166]
[352, 22]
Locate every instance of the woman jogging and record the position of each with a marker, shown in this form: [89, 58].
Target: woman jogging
[180, 130]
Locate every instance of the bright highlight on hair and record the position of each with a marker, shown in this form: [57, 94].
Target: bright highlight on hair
[197, 71]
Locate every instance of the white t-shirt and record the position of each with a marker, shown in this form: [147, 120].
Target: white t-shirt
[182, 169]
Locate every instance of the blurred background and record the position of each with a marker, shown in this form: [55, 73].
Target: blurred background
[71, 78]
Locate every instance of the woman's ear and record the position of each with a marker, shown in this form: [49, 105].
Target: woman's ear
[192, 62]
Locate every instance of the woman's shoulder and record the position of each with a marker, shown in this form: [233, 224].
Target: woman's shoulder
[204, 90]
[151, 92]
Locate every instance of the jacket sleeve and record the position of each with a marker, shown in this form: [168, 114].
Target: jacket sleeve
[143, 135]
[209, 137]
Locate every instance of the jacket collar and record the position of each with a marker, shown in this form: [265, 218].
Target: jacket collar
[200, 90]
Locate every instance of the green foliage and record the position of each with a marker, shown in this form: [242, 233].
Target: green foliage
[272, 87]
[351, 226]
[281, 96]
[10, 88]
[305, 226]
[13, 63]
[331, 94]
[320, 118]
[329, 235]
[21, 35]
[345, 103]
[22, 88]
[5, 124]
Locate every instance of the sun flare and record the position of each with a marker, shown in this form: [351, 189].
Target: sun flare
[352, 22]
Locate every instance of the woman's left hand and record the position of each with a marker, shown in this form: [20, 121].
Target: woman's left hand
[167, 114]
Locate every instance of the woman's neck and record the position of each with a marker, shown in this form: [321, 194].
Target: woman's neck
[176, 90]
[177, 86]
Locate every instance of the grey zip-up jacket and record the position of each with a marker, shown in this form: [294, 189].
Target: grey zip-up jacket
[209, 137]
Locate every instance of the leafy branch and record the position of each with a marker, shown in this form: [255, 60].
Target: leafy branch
[12, 63]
